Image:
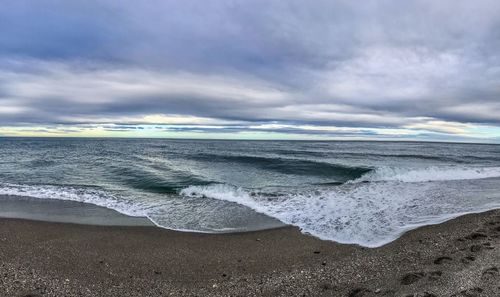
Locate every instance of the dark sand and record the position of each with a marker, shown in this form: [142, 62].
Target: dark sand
[458, 258]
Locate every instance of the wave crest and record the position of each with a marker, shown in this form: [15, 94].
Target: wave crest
[368, 214]
[338, 172]
[428, 174]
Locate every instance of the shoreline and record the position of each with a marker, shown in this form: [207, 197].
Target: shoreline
[460, 256]
[85, 213]
[65, 211]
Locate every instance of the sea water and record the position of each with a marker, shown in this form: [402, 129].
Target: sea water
[366, 193]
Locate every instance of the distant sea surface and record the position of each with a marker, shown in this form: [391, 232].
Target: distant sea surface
[366, 193]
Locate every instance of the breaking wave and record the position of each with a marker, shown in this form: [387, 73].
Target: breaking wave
[368, 214]
[433, 173]
[366, 193]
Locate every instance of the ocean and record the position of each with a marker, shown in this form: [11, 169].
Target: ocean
[358, 192]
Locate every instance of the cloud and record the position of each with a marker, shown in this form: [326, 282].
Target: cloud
[417, 68]
[441, 126]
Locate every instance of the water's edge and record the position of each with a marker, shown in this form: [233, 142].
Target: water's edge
[86, 213]
[354, 193]
[83, 213]
[64, 211]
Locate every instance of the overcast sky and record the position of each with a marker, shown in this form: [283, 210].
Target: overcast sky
[299, 69]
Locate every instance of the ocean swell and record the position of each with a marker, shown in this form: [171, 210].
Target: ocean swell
[337, 172]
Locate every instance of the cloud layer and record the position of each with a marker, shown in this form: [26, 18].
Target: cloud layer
[419, 69]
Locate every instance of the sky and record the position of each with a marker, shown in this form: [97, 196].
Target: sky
[251, 69]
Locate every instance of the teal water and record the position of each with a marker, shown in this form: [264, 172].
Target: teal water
[352, 192]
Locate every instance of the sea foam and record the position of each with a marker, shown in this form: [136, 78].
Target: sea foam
[368, 214]
[77, 194]
[425, 174]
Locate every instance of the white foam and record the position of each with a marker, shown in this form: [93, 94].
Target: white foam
[434, 173]
[221, 192]
[366, 214]
[163, 211]
[85, 195]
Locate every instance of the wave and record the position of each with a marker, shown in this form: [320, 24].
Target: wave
[370, 215]
[427, 174]
[165, 211]
[337, 172]
[147, 178]
[77, 194]
[370, 154]
[364, 155]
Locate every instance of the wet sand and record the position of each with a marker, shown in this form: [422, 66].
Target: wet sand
[54, 210]
[460, 257]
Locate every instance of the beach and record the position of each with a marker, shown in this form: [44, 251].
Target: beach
[249, 148]
[457, 258]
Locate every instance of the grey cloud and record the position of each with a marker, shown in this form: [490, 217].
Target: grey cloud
[376, 64]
